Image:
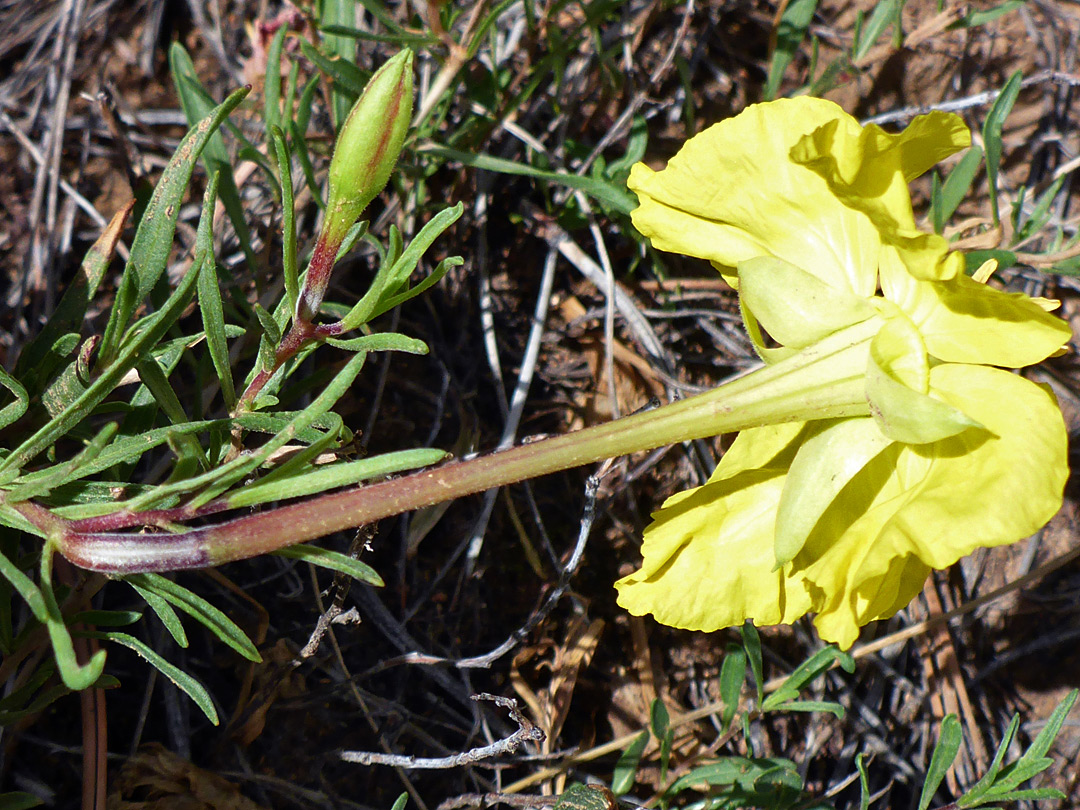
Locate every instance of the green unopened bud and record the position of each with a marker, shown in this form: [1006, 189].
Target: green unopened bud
[370, 141]
[366, 151]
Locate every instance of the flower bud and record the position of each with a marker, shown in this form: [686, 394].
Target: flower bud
[367, 149]
[370, 142]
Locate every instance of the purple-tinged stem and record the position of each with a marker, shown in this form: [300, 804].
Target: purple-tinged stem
[825, 381]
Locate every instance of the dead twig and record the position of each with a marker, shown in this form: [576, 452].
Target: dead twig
[526, 732]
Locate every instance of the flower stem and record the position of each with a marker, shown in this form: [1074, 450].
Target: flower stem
[826, 380]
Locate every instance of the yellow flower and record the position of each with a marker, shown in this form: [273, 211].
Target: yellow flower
[808, 214]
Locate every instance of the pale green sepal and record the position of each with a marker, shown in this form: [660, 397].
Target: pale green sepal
[823, 466]
[897, 381]
[753, 329]
[795, 307]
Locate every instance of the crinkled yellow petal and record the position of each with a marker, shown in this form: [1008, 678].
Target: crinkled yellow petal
[718, 567]
[963, 321]
[708, 556]
[733, 192]
[868, 170]
[796, 307]
[935, 503]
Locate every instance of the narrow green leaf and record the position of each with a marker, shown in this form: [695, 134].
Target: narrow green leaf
[658, 718]
[13, 410]
[164, 612]
[1040, 212]
[812, 706]
[152, 244]
[752, 644]
[272, 83]
[619, 199]
[197, 103]
[319, 406]
[271, 329]
[186, 683]
[974, 259]
[416, 41]
[794, 23]
[213, 318]
[992, 129]
[732, 678]
[58, 474]
[332, 476]
[389, 280]
[333, 560]
[948, 744]
[382, 342]
[199, 609]
[25, 587]
[810, 669]
[153, 328]
[348, 79]
[883, 15]
[75, 676]
[956, 187]
[626, 768]
[987, 781]
[864, 782]
[288, 217]
[429, 281]
[400, 802]
[973, 18]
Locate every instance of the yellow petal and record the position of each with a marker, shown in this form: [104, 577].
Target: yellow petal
[963, 321]
[718, 564]
[929, 505]
[733, 192]
[708, 555]
[868, 170]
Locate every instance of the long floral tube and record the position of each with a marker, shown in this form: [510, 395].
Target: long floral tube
[826, 380]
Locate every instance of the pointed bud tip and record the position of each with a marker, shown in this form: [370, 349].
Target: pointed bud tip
[370, 140]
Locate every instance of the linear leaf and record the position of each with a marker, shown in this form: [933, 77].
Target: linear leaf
[213, 318]
[389, 280]
[74, 675]
[13, 410]
[331, 476]
[732, 677]
[956, 186]
[288, 216]
[197, 103]
[334, 560]
[794, 23]
[153, 240]
[948, 744]
[626, 768]
[186, 683]
[618, 198]
[199, 609]
[992, 129]
[152, 330]
[164, 612]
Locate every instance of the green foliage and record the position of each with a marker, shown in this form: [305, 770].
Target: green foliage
[95, 413]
